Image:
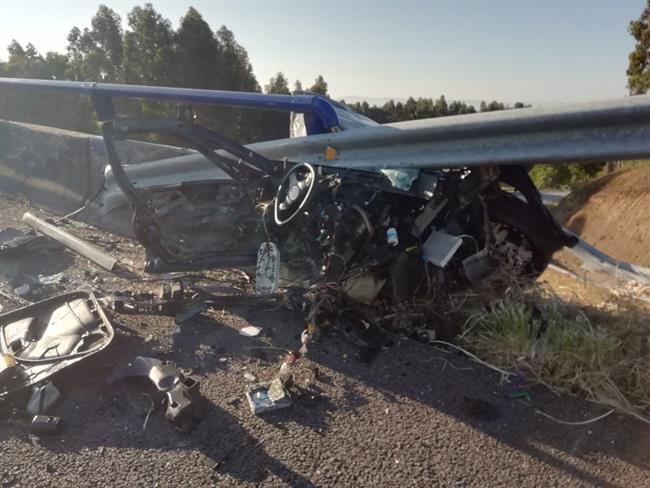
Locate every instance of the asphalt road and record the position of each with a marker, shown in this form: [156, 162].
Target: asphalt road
[408, 418]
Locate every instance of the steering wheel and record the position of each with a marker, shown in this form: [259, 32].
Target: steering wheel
[294, 191]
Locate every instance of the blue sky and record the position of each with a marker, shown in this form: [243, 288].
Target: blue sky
[539, 52]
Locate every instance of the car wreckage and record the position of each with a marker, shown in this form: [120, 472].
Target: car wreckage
[359, 223]
[365, 213]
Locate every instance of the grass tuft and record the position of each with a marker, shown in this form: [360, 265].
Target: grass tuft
[597, 351]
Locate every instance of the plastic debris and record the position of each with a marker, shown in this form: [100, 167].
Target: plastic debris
[250, 331]
[51, 279]
[264, 398]
[44, 424]
[392, 238]
[23, 290]
[267, 271]
[43, 398]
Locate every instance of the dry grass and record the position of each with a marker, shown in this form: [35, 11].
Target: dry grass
[599, 351]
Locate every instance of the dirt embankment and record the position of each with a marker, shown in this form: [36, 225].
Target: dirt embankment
[613, 214]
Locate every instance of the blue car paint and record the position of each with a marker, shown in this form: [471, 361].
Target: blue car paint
[321, 114]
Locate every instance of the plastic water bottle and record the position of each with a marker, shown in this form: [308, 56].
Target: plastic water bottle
[391, 236]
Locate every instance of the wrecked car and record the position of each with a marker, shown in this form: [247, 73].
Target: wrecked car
[364, 213]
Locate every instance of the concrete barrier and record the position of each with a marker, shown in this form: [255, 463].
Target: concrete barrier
[60, 170]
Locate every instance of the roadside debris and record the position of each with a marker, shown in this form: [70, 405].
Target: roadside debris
[22, 290]
[51, 279]
[45, 424]
[15, 239]
[170, 300]
[267, 271]
[43, 398]
[72, 242]
[250, 331]
[36, 343]
[180, 394]
[267, 397]
[42, 339]
[190, 313]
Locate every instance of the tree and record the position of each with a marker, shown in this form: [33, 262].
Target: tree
[638, 71]
[441, 108]
[96, 53]
[15, 49]
[319, 86]
[410, 109]
[245, 125]
[56, 65]
[148, 48]
[198, 58]
[297, 87]
[238, 68]
[278, 84]
[25, 62]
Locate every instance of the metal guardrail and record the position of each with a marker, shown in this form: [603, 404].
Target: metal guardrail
[579, 133]
[103, 93]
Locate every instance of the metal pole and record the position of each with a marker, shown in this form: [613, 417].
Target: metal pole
[70, 241]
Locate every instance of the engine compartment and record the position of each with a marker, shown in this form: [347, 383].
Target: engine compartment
[366, 241]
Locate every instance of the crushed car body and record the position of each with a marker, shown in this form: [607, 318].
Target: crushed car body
[375, 215]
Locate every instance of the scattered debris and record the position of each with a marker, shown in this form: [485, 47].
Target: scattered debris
[72, 242]
[267, 271]
[7, 368]
[190, 313]
[15, 239]
[23, 290]
[250, 331]
[52, 279]
[170, 301]
[43, 398]
[250, 377]
[267, 397]
[47, 337]
[184, 405]
[45, 424]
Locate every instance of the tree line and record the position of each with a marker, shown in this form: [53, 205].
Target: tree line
[149, 51]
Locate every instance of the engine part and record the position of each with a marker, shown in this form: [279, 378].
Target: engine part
[479, 266]
[363, 287]
[184, 405]
[440, 247]
[430, 212]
